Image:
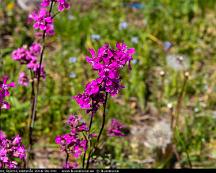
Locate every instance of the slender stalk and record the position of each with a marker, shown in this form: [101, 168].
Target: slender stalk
[67, 157]
[101, 130]
[180, 97]
[178, 108]
[31, 118]
[90, 125]
[104, 118]
[35, 97]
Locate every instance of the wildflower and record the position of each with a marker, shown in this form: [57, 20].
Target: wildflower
[72, 75]
[71, 17]
[107, 62]
[42, 20]
[4, 92]
[10, 150]
[72, 142]
[95, 37]
[123, 25]
[28, 56]
[72, 59]
[134, 61]
[116, 128]
[71, 165]
[167, 46]
[20, 54]
[62, 4]
[45, 3]
[83, 100]
[23, 79]
[134, 40]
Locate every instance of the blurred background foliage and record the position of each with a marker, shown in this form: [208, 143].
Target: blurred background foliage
[160, 31]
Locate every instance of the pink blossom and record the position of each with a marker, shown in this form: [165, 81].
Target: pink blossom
[11, 150]
[23, 79]
[42, 20]
[116, 128]
[4, 92]
[62, 4]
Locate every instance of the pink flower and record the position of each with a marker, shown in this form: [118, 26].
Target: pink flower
[107, 62]
[19, 54]
[4, 92]
[116, 128]
[45, 3]
[72, 142]
[23, 79]
[35, 49]
[83, 100]
[10, 150]
[71, 165]
[62, 4]
[42, 20]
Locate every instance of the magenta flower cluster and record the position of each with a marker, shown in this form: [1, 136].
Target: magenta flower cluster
[4, 92]
[29, 57]
[10, 150]
[43, 20]
[73, 143]
[116, 128]
[107, 62]
[62, 4]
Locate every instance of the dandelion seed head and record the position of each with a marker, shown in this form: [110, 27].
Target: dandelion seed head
[177, 62]
[159, 136]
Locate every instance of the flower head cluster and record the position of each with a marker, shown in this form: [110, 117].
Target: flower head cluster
[71, 165]
[9, 150]
[4, 92]
[29, 56]
[43, 20]
[107, 62]
[116, 128]
[62, 4]
[72, 143]
[23, 79]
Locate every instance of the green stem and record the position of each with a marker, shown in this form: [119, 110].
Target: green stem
[101, 130]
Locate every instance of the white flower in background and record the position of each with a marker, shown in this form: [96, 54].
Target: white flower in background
[123, 25]
[72, 59]
[95, 37]
[159, 136]
[72, 75]
[134, 61]
[177, 62]
[71, 17]
[134, 40]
